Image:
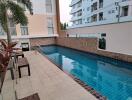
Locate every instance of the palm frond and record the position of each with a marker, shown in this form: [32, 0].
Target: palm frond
[18, 13]
[4, 43]
[3, 17]
[28, 5]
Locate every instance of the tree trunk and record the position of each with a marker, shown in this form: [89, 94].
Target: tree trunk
[8, 30]
[8, 36]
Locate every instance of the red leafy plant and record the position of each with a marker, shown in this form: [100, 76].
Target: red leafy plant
[5, 53]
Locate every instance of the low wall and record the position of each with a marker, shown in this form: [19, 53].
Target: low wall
[83, 44]
[42, 41]
[90, 45]
[62, 33]
[119, 56]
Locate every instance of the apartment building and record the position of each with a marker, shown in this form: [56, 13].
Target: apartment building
[43, 23]
[98, 12]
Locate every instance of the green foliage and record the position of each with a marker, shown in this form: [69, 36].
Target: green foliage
[5, 54]
[67, 25]
[61, 26]
[64, 26]
[3, 19]
[17, 13]
[9, 8]
[28, 5]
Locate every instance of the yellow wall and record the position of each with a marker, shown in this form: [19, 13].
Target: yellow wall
[38, 25]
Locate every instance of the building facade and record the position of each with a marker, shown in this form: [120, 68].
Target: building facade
[98, 12]
[43, 23]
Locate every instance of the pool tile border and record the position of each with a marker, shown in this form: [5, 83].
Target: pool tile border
[85, 86]
[90, 90]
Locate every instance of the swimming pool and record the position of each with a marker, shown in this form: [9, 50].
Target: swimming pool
[112, 78]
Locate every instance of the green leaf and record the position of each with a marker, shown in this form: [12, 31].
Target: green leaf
[18, 13]
[28, 5]
[3, 18]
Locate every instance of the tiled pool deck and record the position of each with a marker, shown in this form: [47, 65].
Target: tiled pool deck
[48, 81]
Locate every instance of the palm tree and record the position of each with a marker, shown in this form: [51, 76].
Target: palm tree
[10, 8]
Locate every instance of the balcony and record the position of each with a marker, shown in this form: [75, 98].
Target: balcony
[94, 7]
[74, 2]
[75, 10]
[78, 16]
[94, 18]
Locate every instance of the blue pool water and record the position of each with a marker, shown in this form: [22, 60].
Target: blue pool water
[111, 78]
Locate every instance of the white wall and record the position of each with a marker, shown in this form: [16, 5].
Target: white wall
[118, 36]
[120, 39]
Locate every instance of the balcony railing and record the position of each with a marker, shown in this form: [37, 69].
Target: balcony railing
[74, 2]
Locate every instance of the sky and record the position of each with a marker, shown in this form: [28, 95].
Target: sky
[65, 11]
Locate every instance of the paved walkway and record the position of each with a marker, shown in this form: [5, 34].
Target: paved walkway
[48, 81]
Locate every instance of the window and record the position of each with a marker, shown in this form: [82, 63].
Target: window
[88, 19]
[1, 30]
[79, 4]
[25, 46]
[100, 3]
[50, 26]
[12, 26]
[24, 29]
[117, 3]
[74, 22]
[48, 6]
[94, 7]
[124, 11]
[94, 18]
[74, 6]
[111, 11]
[80, 21]
[102, 41]
[74, 14]
[100, 16]
[79, 13]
